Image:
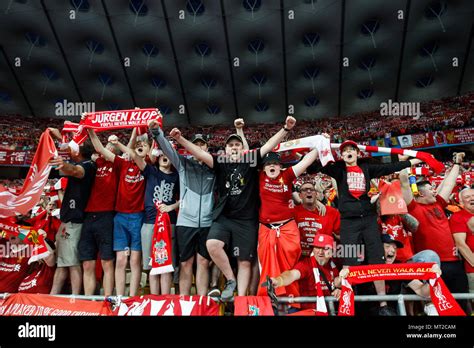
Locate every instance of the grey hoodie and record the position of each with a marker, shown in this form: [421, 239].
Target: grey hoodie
[196, 186]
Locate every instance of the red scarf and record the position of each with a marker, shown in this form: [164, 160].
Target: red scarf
[28, 235]
[440, 295]
[161, 261]
[118, 119]
[12, 204]
[321, 308]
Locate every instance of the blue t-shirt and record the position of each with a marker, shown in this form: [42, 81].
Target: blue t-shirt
[159, 187]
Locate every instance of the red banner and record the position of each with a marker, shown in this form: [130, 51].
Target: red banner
[253, 306]
[15, 158]
[13, 204]
[47, 305]
[168, 305]
[440, 295]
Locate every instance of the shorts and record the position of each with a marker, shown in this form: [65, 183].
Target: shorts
[147, 236]
[239, 235]
[427, 256]
[455, 278]
[191, 240]
[470, 280]
[97, 236]
[127, 227]
[67, 240]
[360, 239]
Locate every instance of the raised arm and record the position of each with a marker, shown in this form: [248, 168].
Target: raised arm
[108, 155]
[278, 137]
[450, 180]
[307, 160]
[164, 144]
[195, 150]
[406, 189]
[239, 129]
[139, 161]
[133, 139]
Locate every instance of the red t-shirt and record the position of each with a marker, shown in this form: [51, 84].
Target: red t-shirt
[12, 271]
[393, 225]
[355, 181]
[458, 224]
[131, 187]
[276, 195]
[311, 223]
[433, 232]
[307, 283]
[104, 189]
[39, 281]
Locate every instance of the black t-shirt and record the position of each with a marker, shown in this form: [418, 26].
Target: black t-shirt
[237, 186]
[77, 194]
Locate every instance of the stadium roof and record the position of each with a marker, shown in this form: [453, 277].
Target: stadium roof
[208, 61]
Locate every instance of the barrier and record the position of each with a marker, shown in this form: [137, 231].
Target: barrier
[400, 299]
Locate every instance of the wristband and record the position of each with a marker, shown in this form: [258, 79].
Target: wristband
[286, 129]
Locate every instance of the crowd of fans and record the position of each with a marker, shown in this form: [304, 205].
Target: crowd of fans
[223, 214]
[19, 133]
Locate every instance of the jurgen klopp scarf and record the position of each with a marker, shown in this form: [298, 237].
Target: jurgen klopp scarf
[161, 261]
[118, 119]
[440, 295]
[27, 235]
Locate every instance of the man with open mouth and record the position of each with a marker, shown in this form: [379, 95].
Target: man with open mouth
[359, 225]
[278, 236]
[235, 225]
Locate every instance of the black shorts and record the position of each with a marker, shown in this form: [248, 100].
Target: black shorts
[97, 236]
[239, 236]
[191, 240]
[360, 240]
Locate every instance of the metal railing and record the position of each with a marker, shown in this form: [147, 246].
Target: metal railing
[400, 299]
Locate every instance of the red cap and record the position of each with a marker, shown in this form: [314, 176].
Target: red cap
[348, 142]
[323, 240]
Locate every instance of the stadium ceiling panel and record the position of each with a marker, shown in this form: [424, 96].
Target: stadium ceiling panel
[437, 32]
[205, 62]
[35, 58]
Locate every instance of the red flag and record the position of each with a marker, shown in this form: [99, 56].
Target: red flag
[13, 204]
[253, 306]
[161, 261]
[391, 198]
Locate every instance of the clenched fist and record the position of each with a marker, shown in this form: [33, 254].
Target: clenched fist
[290, 122]
[153, 124]
[175, 133]
[113, 139]
[239, 123]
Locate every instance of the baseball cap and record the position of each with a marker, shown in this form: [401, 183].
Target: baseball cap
[234, 136]
[271, 157]
[346, 143]
[386, 238]
[200, 137]
[323, 240]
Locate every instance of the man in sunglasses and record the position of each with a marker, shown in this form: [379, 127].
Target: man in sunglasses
[313, 218]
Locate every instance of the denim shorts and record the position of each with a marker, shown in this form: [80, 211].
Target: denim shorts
[127, 228]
